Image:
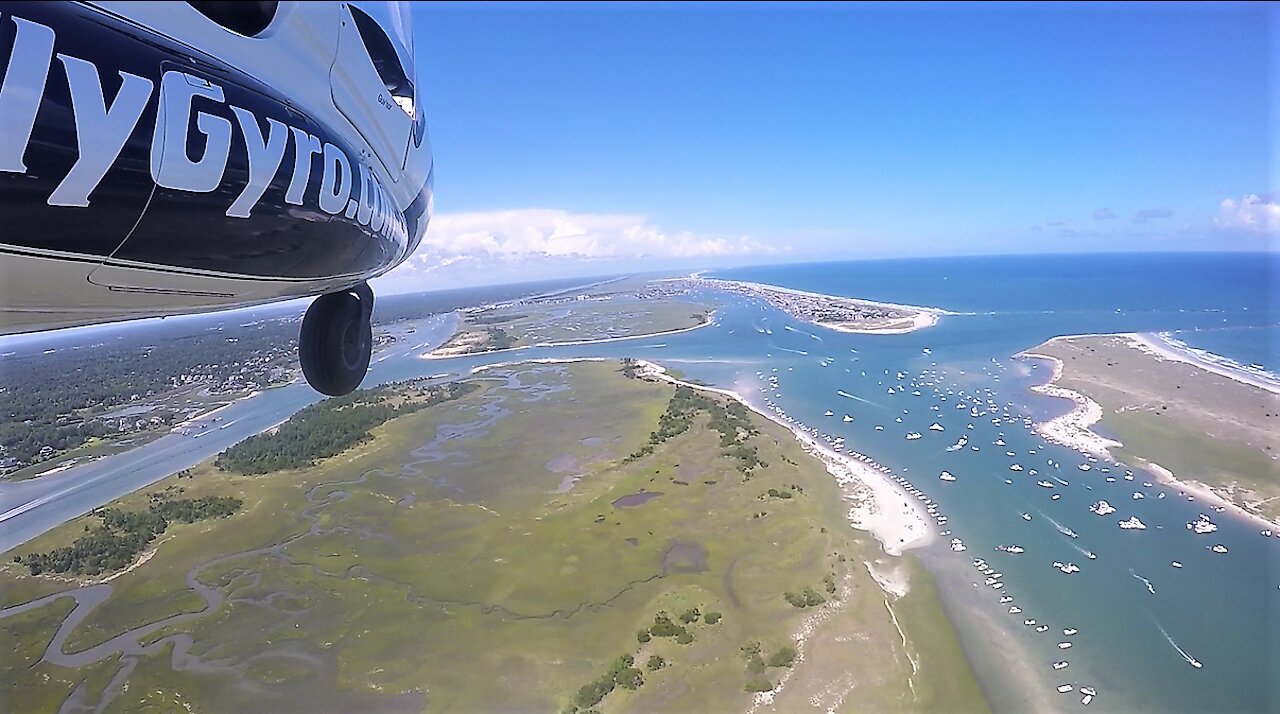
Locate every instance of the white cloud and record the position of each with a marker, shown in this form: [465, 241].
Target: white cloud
[1251, 214]
[539, 238]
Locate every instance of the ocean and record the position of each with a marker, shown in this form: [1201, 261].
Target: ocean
[1139, 621]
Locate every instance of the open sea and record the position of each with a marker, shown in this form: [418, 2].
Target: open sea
[1140, 623]
[1139, 620]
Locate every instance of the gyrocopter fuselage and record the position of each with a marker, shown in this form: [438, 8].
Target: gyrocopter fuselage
[163, 158]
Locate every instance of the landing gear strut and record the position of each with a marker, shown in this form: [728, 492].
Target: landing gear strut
[336, 340]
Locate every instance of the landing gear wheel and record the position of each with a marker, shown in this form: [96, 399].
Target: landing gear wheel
[336, 340]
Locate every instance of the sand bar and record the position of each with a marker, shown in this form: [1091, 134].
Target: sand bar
[1174, 412]
[878, 505]
[832, 311]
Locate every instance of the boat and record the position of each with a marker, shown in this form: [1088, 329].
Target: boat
[946, 476]
[1026, 516]
[1005, 600]
[1064, 688]
[1042, 628]
[848, 418]
[1064, 645]
[1014, 609]
[936, 427]
[1084, 467]
[1133, 523]
[1014, 549]
[879, 427]
[1044, 484]
[1219, 548]
[1029, 622]
[1060, 664]
[1176, 564]
[1102, 508]
[1202, 525]
[1089, 691]
[1015, 467]
[912, 436]
[1069, 631]
[1086, 699]
[828, 413]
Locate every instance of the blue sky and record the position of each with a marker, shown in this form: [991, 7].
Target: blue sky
[578, 138]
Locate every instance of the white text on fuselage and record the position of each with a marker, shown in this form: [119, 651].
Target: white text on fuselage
[102, 131]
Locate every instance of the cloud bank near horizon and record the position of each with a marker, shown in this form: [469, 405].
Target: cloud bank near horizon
[1254, 213]
[459, 247]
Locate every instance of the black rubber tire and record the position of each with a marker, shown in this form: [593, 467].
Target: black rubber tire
[335, 343]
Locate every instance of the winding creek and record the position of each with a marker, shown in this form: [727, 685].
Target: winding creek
[1134, 635]
[138, 642]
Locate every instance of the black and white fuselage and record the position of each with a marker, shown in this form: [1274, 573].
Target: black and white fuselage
[154, 162]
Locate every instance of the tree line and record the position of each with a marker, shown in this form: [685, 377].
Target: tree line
[329, 427]
[124, 534]
[731, 419]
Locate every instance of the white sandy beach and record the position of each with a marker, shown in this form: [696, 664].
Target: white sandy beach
[919, 321]
[805, 293]
[432, 354]
[920, 317]
[1204, 493]
[878, 505]
[1165, 352]
[1072, 429]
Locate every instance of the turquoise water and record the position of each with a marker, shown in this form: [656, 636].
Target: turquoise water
[1223, 610]
[1132, 644]
[1220, 609]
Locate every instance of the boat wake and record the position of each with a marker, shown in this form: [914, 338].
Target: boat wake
[802, 332]
[1061, 528]
[1085, 552]
[855, 397]
[1190, 660]
[1150, 588]
[798, 352]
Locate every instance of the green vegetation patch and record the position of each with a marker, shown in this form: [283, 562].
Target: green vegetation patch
[125, 534]
[447, 566]
[332, 426]
[728, 417]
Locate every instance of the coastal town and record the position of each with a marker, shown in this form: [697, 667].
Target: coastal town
[830, 311]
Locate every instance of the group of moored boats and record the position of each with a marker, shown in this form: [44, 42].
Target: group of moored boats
[992, 578]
